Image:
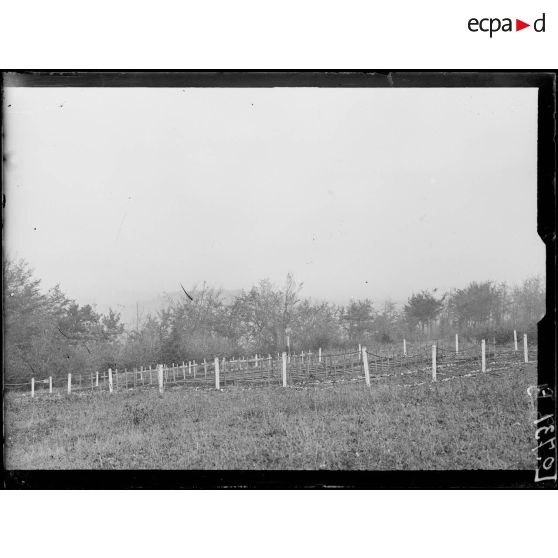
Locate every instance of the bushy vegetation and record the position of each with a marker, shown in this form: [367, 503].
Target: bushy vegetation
[48, 334]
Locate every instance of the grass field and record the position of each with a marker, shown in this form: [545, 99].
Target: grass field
[480, 422]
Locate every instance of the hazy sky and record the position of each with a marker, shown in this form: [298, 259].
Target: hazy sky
[119, 194]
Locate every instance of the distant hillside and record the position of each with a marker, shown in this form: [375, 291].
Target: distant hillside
[141, 307]
[131, 311]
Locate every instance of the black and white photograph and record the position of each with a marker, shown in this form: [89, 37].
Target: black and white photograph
[267, 274]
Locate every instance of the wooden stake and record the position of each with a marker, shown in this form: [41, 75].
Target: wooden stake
[433, 363]
[217, 385]
[364, 356]
[97, 378]
[525, 348]
[69, 383]
[195, 367]
[404, 347]
[284, 369]
[456, 343]
[483, 355]
[183, 370]
[50, 384]
[320, 354]
[32, 387]
[110, 379]
[160, 378]
[515, 339]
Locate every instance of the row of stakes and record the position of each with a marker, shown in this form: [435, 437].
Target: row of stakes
[363, 356]
[434, 355]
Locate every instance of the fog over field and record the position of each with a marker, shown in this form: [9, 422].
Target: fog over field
[272, 279]
[119, 195]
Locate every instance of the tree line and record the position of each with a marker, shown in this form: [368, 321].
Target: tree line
[49, 334]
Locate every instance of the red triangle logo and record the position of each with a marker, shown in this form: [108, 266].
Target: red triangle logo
[519, 25]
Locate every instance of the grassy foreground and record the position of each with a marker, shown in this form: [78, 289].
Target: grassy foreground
[482, 422]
